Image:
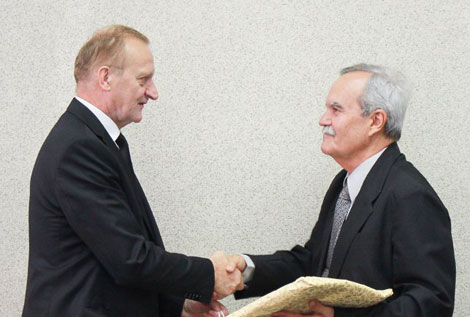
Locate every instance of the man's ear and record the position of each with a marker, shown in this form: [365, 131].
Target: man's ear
[104, 78]
[378, 120]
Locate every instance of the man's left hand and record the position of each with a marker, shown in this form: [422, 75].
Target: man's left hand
[317, 310]
[197, 309]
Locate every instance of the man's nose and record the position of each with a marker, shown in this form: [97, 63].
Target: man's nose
[152, 91]
[324, 120]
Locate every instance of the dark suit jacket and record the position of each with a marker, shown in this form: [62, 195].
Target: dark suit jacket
[397, 235]
[95, 249]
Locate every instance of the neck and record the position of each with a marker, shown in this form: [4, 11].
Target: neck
[356, 159]
[89, 93]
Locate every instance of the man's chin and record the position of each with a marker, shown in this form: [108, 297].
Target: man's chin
[138, 118]
[325, 148]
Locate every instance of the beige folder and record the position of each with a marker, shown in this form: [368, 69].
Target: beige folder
[329, 291]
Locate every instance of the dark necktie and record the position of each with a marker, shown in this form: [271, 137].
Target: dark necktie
[341, 211]
[126, 158]
[124, 150]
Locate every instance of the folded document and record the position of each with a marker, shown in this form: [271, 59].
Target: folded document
[329, 291]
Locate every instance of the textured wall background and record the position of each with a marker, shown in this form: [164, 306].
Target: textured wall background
[230, 155]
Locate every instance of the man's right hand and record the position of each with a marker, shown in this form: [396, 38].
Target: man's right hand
[236, 261]
[228, 277]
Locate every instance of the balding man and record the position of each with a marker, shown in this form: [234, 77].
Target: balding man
[381, 223]
[95, 248]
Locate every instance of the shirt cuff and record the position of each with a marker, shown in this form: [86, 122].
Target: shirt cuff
[249, 269]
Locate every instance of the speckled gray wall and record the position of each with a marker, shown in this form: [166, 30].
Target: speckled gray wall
[229, 155]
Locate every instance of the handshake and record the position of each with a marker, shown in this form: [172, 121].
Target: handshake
[228, 279]
[228, 271]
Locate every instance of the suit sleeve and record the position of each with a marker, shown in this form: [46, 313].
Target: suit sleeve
[423, 259]
[283, 267]
[276, 270]
[170, 305]
[90, 192]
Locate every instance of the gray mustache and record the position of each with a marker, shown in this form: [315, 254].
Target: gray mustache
[329, 130]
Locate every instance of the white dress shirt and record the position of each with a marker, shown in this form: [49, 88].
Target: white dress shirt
[106, 121]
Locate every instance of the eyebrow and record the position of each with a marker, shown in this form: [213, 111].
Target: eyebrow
[146, 73]
[335, 104]
[145, 76]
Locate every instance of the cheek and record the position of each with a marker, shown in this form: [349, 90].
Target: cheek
[133, 92]
[141, 91]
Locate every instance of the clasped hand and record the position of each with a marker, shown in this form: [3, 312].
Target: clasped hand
[228, 273]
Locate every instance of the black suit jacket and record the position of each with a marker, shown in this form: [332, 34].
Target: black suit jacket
[397, 235]
[95, 249]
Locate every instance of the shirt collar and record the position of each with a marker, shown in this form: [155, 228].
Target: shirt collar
[358, 176]
[106, 121]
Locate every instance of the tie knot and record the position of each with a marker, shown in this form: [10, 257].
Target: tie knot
[344, 194]
[121, 141]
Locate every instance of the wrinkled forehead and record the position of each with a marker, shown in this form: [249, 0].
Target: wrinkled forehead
[136, 53]
[347, 88]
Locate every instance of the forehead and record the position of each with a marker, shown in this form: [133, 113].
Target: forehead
[138, 56]
[348, 88]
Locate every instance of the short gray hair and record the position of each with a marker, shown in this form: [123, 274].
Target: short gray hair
[388, 90]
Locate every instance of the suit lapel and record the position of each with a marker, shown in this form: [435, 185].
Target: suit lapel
[143, 212]
[92, 122]
[363, 206]
[87, 117]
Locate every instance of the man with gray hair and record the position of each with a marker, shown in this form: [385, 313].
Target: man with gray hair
[381, 224]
